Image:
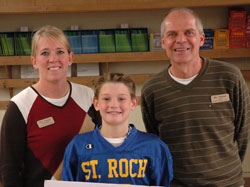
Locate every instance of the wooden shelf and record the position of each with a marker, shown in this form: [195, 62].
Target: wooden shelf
[88, 81]
[85, 80]
[130, 56]
[53, 6]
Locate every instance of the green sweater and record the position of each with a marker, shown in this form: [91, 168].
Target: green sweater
[206, 123]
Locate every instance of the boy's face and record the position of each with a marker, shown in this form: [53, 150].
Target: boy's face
[115, 104]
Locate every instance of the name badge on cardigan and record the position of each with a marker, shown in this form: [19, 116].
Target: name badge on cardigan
[220, 98]
[45, 122]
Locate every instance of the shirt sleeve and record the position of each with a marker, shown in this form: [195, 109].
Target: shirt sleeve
[70, 163]
[242, 113]
[163, 168]
[12, 147]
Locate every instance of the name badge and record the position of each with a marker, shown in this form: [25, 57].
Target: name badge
[220, 98]
[45, 122]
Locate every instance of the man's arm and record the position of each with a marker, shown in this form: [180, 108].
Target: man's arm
[242, 116]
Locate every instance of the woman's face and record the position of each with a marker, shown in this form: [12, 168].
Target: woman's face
[52, 59]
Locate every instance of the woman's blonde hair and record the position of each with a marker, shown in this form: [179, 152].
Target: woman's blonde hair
[115, 78]
[49, 31]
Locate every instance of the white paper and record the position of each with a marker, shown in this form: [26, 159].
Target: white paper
[88, 69]
[53, 183]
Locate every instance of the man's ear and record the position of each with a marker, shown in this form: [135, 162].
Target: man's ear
[163, 43]
[96, 104]
[202, 39]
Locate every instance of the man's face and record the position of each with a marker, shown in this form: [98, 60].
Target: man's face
[182, 39]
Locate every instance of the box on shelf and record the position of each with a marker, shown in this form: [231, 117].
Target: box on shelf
[88, 69]
[7, 44]
[122, 40]
[74, 38]
[139, 39]
[237, 38]
[221, 38]
[89, 39]
[107, 41]
[237, 19]
[209, 39]
[22, 43]
[155, 41]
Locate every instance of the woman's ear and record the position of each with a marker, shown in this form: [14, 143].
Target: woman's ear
[33, 61]
[71, 58]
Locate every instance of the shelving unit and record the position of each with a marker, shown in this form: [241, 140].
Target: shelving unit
[135, 57]
[79, 6]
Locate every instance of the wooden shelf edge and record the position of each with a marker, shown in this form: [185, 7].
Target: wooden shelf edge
[131, 56]
[88, 81]
[3, 105]
[85, 80]
[53, 6]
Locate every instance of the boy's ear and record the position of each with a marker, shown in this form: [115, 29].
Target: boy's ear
[95, 102]
[134, 103]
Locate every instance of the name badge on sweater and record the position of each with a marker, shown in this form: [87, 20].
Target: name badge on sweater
[45, 122]
[220, 98]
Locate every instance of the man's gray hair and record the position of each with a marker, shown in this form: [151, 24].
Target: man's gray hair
[197, 19]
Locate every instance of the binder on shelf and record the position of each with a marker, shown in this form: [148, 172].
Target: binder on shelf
[22, 42]
[139, 39]
[122, 40]
[107, 41]
[74, 38]
[7, 44]
[90, 43]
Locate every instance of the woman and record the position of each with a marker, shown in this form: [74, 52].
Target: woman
[41, 120]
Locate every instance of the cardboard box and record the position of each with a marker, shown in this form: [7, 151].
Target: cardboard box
[209, 39]
[155, 41]
[221, 39]
[237, 38]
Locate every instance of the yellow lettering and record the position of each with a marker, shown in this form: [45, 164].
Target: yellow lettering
[112, 167]
[125, 161]
[141, 172]
[131, 167]
[93, 163]
[85, 170]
